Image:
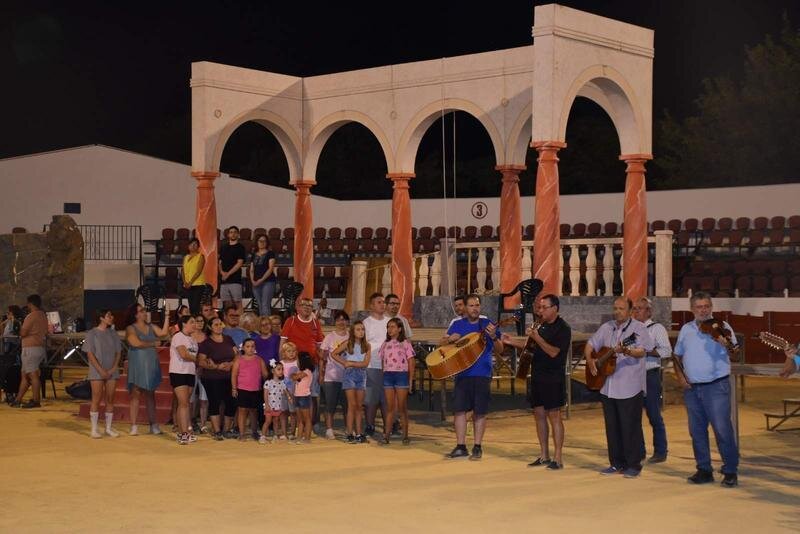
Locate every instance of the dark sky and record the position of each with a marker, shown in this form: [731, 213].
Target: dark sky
[117, 73]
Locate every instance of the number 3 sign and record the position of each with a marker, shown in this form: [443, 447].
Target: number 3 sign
[479, 210]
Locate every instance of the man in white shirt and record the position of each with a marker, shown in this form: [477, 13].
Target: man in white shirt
[375, 327]
[643, 312]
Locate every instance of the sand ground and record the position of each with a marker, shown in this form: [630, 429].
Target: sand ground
[56, 479]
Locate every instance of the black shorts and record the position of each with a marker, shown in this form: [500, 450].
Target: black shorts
[471, 394]
[548, 392]
[248, 399]
[177, 380]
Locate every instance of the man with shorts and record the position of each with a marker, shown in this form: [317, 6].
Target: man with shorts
[305, 331]
[472, 385]
[375, 327]
[32, 334]
[548, 377]
[231, 259]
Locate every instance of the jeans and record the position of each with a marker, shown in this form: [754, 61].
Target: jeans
[194, 294]
[263, 295]
[711, 403]
[652, 405]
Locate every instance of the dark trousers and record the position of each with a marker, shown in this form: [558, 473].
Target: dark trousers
[652, 406]
[194, 294]
[624, 431]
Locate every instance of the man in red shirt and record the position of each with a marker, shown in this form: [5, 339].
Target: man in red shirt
[305, 331]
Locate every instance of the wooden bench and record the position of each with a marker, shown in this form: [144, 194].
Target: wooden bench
[785, 416]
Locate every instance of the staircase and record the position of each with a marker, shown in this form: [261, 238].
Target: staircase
[122, 397]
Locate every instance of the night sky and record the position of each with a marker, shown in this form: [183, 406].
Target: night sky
[117, 73]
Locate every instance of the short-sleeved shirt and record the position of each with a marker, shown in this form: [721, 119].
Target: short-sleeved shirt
[333, 369]
[229, 255]
[268, 348]
[630, 376]
[34, 329]
[482, 367]
[559, 334]
[238, 335]
[177, 364]
[261, 264]
[395, 355]
[376, 335]
[276, 395]
[303, 387]
[704, 359]
[305, 334]
[663, 348]
[104, 344]
[218, 352]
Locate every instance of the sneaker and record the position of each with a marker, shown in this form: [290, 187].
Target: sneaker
[657, 458]
[730, 480]
[282, 437]
[631, 472]
[14, 404]
[554, 466]
[31, 404]
[701, 477]
[217, 436]
[329, 434]
[95, 435]
[361, 438]
[351, 439]
[460, 451]
[611, 471]
[263, 439]
[191, 437]
[112, 433]
[303, 441]
[230, 434]
[134, 431]
[477, 453]
[369, 430]
[183, 439]
[155, 429]
[540, 462]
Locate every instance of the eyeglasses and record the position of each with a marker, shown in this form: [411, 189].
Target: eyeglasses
[393, 303]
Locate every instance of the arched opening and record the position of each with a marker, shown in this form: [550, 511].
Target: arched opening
[590, 162]
[463, 164]
[253, 153]
[352, 166]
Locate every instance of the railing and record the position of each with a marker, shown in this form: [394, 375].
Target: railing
[109, 242]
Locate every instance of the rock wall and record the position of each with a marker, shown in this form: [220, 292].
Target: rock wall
[50, 264]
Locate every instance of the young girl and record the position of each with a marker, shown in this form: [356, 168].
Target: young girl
[397, 356]
[275, 402]
[103, 348]
[248, 370]
[289, 361]
[302, 396]
[354, 357]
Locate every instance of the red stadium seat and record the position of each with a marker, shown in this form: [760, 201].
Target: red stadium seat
[744, 285]
[593, 230]
[382, 246]
[322, 246]
[351, 245]
[320, 233]
[564, 230]
[439, 232]
[274, 233]
[471, 233]
[335, 233]
[708, 224]
[288, 233]
[486, 233]
[366, 245]
[337, 246]
[778, 222]
[527, 234]
[182, 233]
[381, 233]
[426, 232]
[282, 273]
[414, 232]
[658, 225]
[715, 238]
[674, 225]
[454, 232]
[755, 238]
[725, 224]
[367, 232]
[258, 232]
[276, 245]
[245, 234]
[690, 225]
[725, 287]
[776, 236]
[350, 233]
[793, 222]
[735, 238]
[743, 223]
[166, 233]
[778, 283]
[579, 230]
[610, 229]
[760, 223]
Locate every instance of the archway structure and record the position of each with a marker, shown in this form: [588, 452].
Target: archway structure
[518, 95]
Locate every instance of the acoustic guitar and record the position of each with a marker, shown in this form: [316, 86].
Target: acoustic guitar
[453, 358]
[774, 341]
[606, 363]
[526, 356]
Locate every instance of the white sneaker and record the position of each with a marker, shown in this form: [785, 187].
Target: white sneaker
[134, 431]
[95, 434]
[263, 439]
[155, 429]
[111, 432]
[329, 434]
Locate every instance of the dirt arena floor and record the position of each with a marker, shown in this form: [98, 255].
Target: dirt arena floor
[57, 479]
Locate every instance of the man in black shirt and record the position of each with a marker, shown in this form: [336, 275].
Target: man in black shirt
[551, 342]
[231, 259]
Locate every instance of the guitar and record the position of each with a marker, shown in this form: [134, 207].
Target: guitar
[774, 341]
[453, 358]
[526, 356]
[606, 363]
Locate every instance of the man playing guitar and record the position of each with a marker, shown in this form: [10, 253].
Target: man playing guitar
[472, 386]
[703, 367]
[622, 393]
[550, 338]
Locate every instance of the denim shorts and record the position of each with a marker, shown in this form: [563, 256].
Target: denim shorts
[354, 378]
[395, 379]
[303, 402]
[315, 382]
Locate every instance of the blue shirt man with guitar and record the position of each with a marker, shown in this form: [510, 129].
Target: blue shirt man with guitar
[472, 385]
[626, 342]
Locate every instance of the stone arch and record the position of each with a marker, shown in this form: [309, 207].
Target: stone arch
[419, 124]
[276, 125]
[323, 130]
[519, 137]
[608, 88]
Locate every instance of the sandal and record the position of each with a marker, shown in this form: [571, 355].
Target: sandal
[540, 461]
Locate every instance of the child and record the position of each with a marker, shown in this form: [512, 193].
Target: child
[289, 361]
[302, 396]
[397, 356]
[354, 357]
[275, 402]
[248, 369]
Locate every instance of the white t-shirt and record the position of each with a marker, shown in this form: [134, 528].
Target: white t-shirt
[177, 364]
[376, 335]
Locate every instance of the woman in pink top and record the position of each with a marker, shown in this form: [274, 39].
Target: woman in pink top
[302, 396]
[397, 356]
[246, 375]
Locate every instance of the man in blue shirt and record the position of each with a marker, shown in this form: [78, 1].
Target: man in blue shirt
[472, 385]
[703, 371]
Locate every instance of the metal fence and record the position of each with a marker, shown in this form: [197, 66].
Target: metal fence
[111, 242]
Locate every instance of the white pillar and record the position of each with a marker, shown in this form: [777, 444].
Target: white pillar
[663, 269]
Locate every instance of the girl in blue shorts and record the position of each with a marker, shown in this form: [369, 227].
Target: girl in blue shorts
[354, 357]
